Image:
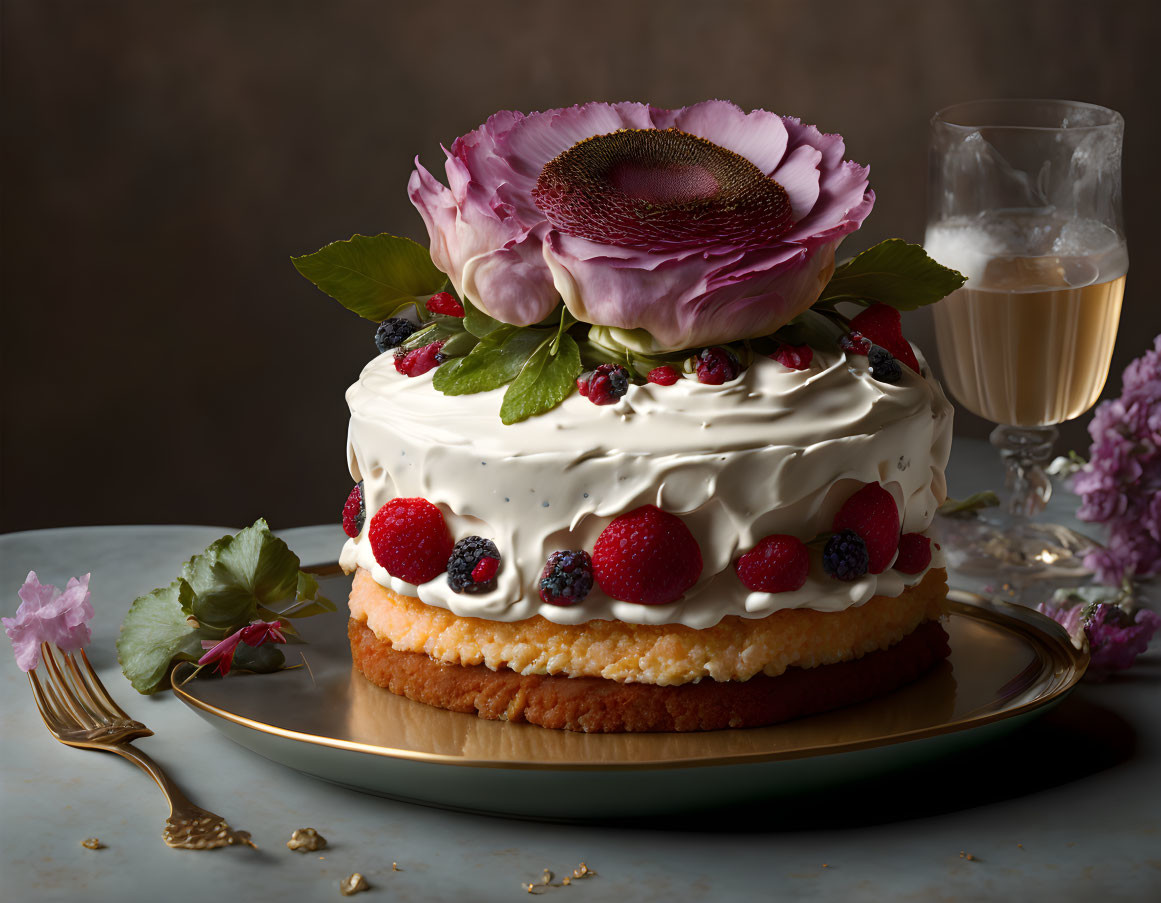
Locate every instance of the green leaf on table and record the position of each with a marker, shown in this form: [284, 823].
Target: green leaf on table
[545, 380]
[892, 272]
[156, 632]
[376, 276]
[494, 362]
[240, 576]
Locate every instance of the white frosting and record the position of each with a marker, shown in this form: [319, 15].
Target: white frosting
[774, 451]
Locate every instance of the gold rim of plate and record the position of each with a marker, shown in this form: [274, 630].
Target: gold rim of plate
[1055, 665]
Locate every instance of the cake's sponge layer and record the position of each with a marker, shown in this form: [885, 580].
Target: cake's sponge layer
[734, 649]
[597, 705]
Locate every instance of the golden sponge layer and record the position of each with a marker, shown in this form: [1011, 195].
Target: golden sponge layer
[666, 654]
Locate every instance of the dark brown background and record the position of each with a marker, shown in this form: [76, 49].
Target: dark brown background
[163, 362]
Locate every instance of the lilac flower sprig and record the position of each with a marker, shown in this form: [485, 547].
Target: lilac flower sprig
[1108, 621]
[49, 615]
[1121, 484]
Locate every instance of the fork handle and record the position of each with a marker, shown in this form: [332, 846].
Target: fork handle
[178, 802]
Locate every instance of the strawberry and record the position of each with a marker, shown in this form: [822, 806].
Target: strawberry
[445, 303]
[410, 539]
[777, 564]
[354, 512]
[647, 556]
[883, 325]
[914, 553]
[872, 514]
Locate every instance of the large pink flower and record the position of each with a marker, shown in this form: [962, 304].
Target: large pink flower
[699, 225]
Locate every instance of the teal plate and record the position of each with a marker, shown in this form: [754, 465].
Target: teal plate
[1008, 664]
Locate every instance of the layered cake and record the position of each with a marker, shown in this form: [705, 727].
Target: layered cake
[639, 465]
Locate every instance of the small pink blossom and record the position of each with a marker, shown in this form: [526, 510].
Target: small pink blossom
[1115, 635]
[253, 634]
[47, 615]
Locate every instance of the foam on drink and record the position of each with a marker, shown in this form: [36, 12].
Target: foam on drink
[1028, 340]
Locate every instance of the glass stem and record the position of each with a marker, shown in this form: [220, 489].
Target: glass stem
[1026, 451]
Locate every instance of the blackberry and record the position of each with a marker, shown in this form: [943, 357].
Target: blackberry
[845, 556]
[466, 556]
[392, 333]
[717, 365]
[604, 385]
[567, 578]
[884, 367]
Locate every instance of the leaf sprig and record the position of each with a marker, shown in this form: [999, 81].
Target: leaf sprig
[237, 579]
[380, 276]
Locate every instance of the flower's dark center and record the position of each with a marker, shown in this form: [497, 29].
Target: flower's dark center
[659, 188]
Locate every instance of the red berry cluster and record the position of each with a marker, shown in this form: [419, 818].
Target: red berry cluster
[868, 521]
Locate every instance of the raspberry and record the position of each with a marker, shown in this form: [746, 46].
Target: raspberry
[410, 539]
[854, 342]
[605, 385]
[914, 553]
[413, 363]
[796, 357]
[354, 512]
[884, 367]
[445, 303]
[717, 365]
[468, 556]
[392, 333]
[872, 514]
[647, 556]
[777, 564]
[567, 578]
[844, 556]
[883, 325]
[664, 376]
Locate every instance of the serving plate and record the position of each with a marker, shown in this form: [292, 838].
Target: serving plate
[1008, 664]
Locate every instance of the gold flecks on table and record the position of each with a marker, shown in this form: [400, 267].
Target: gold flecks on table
[92, 843]
[968, 856]
[395, 867]
[352, 884]
[306, 840]
[581, 871]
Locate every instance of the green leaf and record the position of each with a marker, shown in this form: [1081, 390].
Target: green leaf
[544, 381]
[237, 575]
[811, 328]
[260, 659]
[459, 345]
[307, 601]
[494, 362]
[567, 321]
[440, 331]
[156, 632]
[477, 322]
[892, 272]
[375, 276]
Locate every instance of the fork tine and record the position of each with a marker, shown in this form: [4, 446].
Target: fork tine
[67, 692]
[98, 687]
[51, 719]
[92, 700]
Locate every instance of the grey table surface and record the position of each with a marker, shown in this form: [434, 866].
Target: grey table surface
[1067, 808]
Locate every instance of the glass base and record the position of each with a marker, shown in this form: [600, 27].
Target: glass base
[1017, 550]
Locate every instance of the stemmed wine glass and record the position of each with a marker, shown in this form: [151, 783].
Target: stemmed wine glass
[1025, 200]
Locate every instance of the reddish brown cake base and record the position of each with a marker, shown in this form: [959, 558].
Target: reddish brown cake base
[596, 705]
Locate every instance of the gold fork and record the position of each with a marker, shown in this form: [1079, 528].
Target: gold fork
[78, 711]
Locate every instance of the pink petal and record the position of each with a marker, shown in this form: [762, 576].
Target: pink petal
[798, 174]
[759, 136]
